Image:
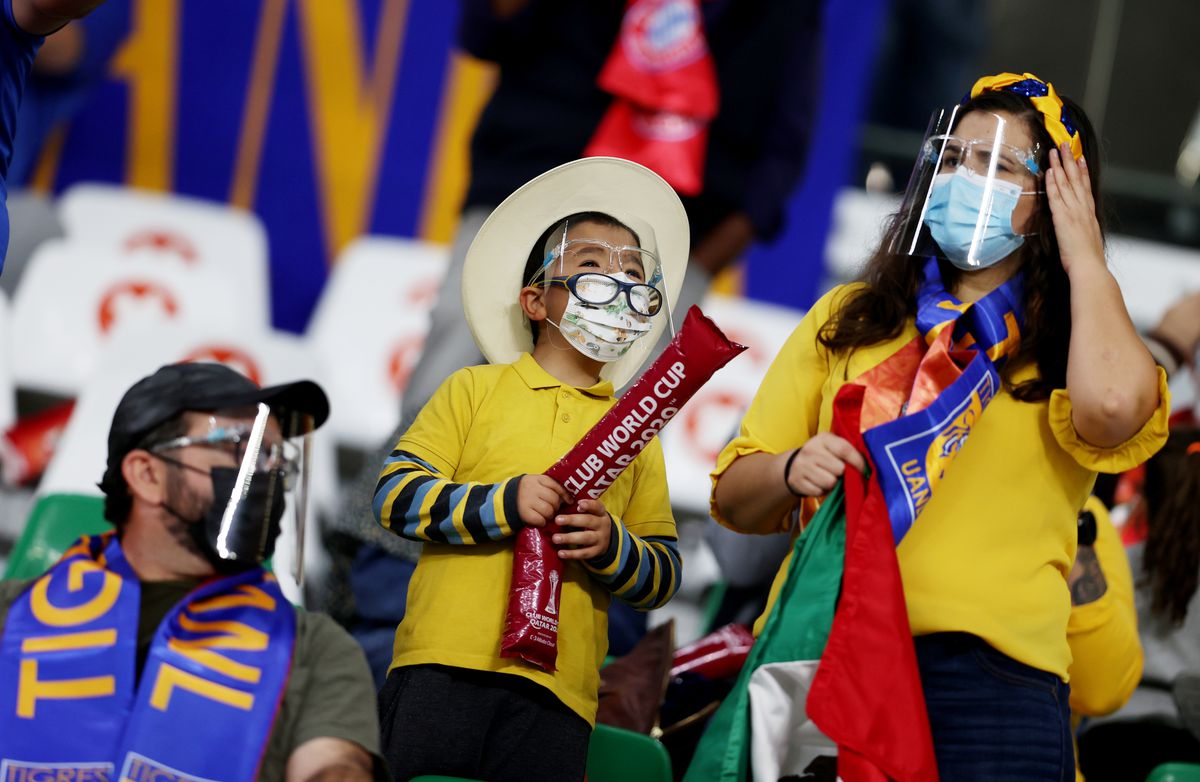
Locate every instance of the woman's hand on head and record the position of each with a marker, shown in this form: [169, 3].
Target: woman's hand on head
[1069, 191]
[820, 463]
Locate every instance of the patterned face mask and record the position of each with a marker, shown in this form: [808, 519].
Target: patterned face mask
[603, 332]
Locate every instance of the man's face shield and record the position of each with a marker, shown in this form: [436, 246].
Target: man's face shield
[972, 192]
[259, 484]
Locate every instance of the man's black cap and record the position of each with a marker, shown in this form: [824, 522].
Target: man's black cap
[299, 407]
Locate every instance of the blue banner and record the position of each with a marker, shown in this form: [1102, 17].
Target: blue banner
[217, 669]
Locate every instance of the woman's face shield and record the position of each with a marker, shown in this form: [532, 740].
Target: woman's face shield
[259, 490]
[973, 190]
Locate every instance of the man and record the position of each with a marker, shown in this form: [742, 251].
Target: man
[23, 27]
[165, 650]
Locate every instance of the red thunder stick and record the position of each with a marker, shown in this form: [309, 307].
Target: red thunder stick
[696, 352]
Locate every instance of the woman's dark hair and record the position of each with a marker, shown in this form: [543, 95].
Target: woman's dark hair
[878, 311]
[537, 253]
[1171, 558]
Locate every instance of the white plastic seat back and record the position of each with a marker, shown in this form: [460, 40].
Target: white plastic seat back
[266, 357]
[369, 328]
[859, 219]
[163, 228]
[8, 403]
[692, 440]
[1152, 275]
[72, 301]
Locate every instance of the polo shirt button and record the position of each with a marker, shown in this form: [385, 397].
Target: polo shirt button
[566, 418]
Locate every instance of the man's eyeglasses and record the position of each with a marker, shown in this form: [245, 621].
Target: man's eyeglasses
[284, 456]
[601, 289]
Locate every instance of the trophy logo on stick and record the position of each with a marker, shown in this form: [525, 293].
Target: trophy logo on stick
[553, 592]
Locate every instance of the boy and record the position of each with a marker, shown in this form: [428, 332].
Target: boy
[467, 476]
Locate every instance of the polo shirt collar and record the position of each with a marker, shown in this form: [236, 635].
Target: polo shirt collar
[535, 377]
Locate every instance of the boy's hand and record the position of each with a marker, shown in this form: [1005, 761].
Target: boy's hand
[538, 498]
[594, 528]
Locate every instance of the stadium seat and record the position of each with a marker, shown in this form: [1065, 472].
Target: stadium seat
[616, 755]
[74, 299]
[1175, 772]
[57, 521]
[439, 778]
[266, 357]
[145, 227]
[368, 330]
[8, 409]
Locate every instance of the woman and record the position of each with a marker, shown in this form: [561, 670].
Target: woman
[1002, 222]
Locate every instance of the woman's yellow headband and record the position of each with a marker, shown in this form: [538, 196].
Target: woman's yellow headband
[1043, 97]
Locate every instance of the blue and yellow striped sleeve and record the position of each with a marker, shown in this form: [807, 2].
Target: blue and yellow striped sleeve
[417, 502]
[643, 572]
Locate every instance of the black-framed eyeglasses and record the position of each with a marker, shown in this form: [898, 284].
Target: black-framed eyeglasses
[600, 289]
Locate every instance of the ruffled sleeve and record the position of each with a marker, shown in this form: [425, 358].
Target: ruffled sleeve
[1137, 449]
[786, 408]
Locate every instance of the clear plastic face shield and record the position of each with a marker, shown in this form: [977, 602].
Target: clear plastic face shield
[972, 192]
[259, 485]
[603, 275]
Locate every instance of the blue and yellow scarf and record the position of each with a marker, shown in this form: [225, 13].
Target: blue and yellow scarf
[71, 708]
[923, 402]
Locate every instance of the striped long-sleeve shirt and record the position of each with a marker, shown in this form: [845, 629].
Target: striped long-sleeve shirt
[415, 501]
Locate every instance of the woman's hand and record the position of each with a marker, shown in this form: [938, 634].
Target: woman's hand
[1069, 190]
[818, 465]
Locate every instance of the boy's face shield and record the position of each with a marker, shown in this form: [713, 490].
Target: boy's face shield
[635, 274]
[968, 184]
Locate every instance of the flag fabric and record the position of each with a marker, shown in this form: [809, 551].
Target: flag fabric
[841, 604]
[796, 630]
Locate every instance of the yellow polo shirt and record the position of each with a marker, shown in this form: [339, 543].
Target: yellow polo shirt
[991, 551]
[488, 424]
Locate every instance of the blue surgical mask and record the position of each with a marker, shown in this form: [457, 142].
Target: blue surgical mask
[954, 207]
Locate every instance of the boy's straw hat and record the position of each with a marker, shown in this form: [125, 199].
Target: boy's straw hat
[630, 192]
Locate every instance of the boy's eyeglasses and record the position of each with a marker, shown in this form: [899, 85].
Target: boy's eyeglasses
[600, 289]
[284, 456]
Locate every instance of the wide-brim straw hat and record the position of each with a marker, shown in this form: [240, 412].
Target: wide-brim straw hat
[496, 259]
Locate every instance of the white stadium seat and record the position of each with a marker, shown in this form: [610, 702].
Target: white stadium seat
[162, 228]
[369, 328]
[72, 300]
[8, 409]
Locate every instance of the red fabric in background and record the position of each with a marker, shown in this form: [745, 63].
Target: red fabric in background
[664, 86]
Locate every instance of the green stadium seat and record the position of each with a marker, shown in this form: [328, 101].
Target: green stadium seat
[57, 521]
[616, 755]
[1175, 772]
[439, 778]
